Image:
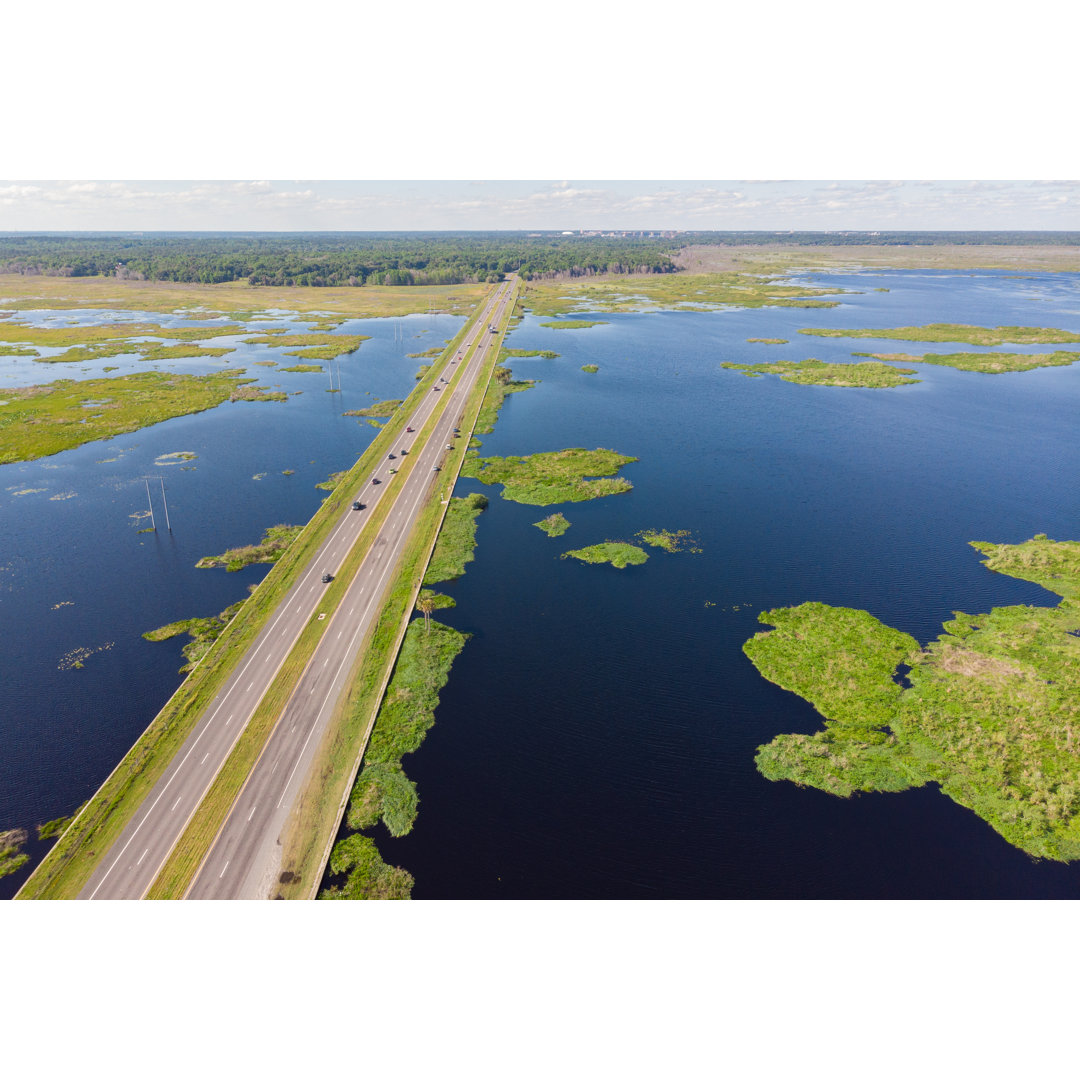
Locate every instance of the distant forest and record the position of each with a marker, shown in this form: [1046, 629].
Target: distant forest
[436, 258]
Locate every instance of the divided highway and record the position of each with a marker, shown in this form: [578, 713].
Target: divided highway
[244, 860]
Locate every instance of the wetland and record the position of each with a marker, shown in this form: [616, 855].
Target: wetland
[601, 732]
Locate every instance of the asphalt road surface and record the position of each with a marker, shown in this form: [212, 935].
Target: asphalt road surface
[244, 860]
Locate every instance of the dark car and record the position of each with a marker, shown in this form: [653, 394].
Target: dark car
[327, 577]
[358, 505]
[457, 431]
[376, 480]
[389, 457]
[436, 389]
[408, 429]
[403, 451]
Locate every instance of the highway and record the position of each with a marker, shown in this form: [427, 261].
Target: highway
[244, 860]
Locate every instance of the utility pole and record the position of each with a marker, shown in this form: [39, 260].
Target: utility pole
[165, 501]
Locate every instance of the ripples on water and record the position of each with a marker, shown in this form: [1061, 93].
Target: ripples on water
[597, 735]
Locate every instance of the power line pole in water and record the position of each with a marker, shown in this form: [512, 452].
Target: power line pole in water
[146, 480]
[150, 502]
[166, 502]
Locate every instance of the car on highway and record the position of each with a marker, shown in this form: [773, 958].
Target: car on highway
[327, 577]
[376, 480]
[403, 451]
[389, 457]
[408, 429]
[449, 447]
[392, 471]
[457, 431]
[436, 389]
[435, 468]
[358, 505]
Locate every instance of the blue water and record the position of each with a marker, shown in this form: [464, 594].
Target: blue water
[597, 735]
[76, 573]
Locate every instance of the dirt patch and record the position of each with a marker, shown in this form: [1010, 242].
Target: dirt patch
[974, 665]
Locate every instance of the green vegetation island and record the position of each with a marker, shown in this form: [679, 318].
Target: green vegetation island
[273, 545]
[616, 552]
[380, 408]
[813, 372]
[985, 363]
[990, 711]
[969, 335]
[553, 524]
[590, 369]
[38, 421]
[312, 346]
[553, 477]
[573, 324]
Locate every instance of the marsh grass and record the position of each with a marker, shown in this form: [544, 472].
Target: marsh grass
[380, 408]
[70, 863]
[986, 363]
[818, 373]
[553, 524]
[38, 421]
[970, 335]
[312, 346]
[990, 710]
[553, 477]
[653, 292]
[273, 545]
[11, 854]
[369, 878]
[616, 552]
[457, 539]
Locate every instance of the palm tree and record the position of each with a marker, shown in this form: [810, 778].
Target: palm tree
[426, 605]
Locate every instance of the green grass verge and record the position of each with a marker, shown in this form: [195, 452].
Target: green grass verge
[990, 710]
[457, 539]
[322, 802]
[67, 867]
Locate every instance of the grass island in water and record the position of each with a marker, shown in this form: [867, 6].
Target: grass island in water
[990, 711]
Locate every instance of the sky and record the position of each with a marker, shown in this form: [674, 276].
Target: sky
[299, 205]
[114, 111]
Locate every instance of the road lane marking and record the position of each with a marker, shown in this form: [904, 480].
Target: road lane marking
[205, 756]
[252, 814]
[176, 804]
[142, 856]
[422, 491]
[223, 869]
